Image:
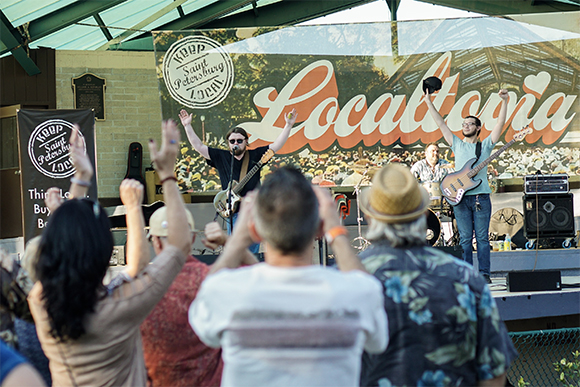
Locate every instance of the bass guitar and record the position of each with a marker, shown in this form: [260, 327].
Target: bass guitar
[220, 201]
[455, 185]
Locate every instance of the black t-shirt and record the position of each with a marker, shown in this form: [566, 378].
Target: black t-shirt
[221, 159]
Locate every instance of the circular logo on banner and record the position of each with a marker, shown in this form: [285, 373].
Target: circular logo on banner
[48, 148]
[198, 72]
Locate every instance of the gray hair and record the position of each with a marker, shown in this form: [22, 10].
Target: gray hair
[399, 234]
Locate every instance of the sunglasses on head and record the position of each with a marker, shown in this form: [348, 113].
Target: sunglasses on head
[237, 140]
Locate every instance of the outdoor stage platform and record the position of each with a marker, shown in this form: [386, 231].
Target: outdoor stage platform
[536, 304]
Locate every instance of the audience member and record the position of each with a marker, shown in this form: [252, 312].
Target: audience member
[91, 335]
[287, 322]
[174, 355]
[444, 326]
[15, 371]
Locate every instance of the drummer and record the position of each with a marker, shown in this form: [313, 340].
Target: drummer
[431, 169]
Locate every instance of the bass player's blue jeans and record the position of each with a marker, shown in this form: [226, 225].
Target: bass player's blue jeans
[473, 214]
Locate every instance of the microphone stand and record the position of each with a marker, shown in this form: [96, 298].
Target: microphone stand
[231, 218]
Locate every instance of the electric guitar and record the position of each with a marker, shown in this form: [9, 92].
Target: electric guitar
[220, 201]
[455, 185]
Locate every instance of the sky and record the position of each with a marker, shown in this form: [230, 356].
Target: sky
[378, 11]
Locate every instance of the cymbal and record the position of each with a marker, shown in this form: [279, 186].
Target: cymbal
[361, 168]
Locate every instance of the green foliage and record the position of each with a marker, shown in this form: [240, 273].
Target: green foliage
[522, 383]
[569, 371]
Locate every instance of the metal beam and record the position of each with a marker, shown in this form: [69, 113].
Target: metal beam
[191, 21]
[102, 26]
[282, 13]
[62, 18]
[286, 12]
[509, 7]
[143, 23]
[18, 51]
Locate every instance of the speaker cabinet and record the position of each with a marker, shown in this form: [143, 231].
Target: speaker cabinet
[548, 216]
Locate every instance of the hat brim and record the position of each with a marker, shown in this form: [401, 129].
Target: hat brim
[387, 218]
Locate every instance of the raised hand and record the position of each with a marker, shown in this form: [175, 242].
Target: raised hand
[326, 209]
[53, 200]
[503, 94]
[164, 159]
[214, 236]
[131, 192]
[291, 117]
[185, 118]
[79, 157]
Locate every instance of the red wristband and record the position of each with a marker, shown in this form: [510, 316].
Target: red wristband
[169, 178]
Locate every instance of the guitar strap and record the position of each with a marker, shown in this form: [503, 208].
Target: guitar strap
[477, 151]
[245, 163]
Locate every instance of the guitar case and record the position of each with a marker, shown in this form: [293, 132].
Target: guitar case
[135, 166]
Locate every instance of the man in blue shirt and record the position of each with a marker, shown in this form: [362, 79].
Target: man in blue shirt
[473, 213]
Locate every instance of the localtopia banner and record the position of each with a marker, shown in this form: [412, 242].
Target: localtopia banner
[44, 159]
[368, 109]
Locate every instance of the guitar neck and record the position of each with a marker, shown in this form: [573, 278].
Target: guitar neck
[484, 163]
[238, 188]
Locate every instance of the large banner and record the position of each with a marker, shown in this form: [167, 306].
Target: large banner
[43, 142]
[357, 90]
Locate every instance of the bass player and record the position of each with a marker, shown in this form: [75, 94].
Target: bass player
[473, 213]
[237, 139]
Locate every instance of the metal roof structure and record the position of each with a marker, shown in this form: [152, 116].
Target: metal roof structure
[127, 24]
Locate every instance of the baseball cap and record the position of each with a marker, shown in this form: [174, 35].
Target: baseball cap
[158, 222]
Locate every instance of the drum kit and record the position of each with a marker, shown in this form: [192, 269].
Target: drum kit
[441, 225]
[440, 218]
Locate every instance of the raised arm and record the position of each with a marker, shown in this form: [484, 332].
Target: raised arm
[138, 252]
[215, 237]
[498, 128]
[283, 136]
[81, 181]
[164, 163]
[194, 140]
[344, 254]
[447, 133]
[236, 249]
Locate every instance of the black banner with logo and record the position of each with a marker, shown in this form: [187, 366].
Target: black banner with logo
[43, 142]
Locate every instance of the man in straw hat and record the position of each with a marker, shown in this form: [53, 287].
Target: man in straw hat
[287, 322]
[444, 325]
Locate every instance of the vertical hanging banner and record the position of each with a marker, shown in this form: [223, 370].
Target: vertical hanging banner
[43, 142]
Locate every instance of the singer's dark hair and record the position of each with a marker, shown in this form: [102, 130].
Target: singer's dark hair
[237, 130]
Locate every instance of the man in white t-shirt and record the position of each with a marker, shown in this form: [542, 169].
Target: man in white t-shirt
[287, 322]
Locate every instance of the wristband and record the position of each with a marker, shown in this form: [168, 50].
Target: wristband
[80, 182]
[169, 178]
[335, 232]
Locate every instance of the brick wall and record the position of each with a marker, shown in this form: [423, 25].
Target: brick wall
[132, 108]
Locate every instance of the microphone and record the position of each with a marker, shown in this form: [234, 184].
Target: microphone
[235, 148]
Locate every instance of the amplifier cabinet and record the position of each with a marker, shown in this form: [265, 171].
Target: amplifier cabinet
[548, 216]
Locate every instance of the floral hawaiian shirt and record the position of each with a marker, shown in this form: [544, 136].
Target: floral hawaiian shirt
[444, 325]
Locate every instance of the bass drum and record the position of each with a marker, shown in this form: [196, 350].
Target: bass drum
[433, 228]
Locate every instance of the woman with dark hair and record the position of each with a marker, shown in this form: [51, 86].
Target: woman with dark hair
[90, 333]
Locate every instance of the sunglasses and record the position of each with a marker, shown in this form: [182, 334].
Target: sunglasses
[237, 140]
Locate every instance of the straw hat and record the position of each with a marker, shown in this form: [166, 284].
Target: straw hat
[395, 196]
[158, 222]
